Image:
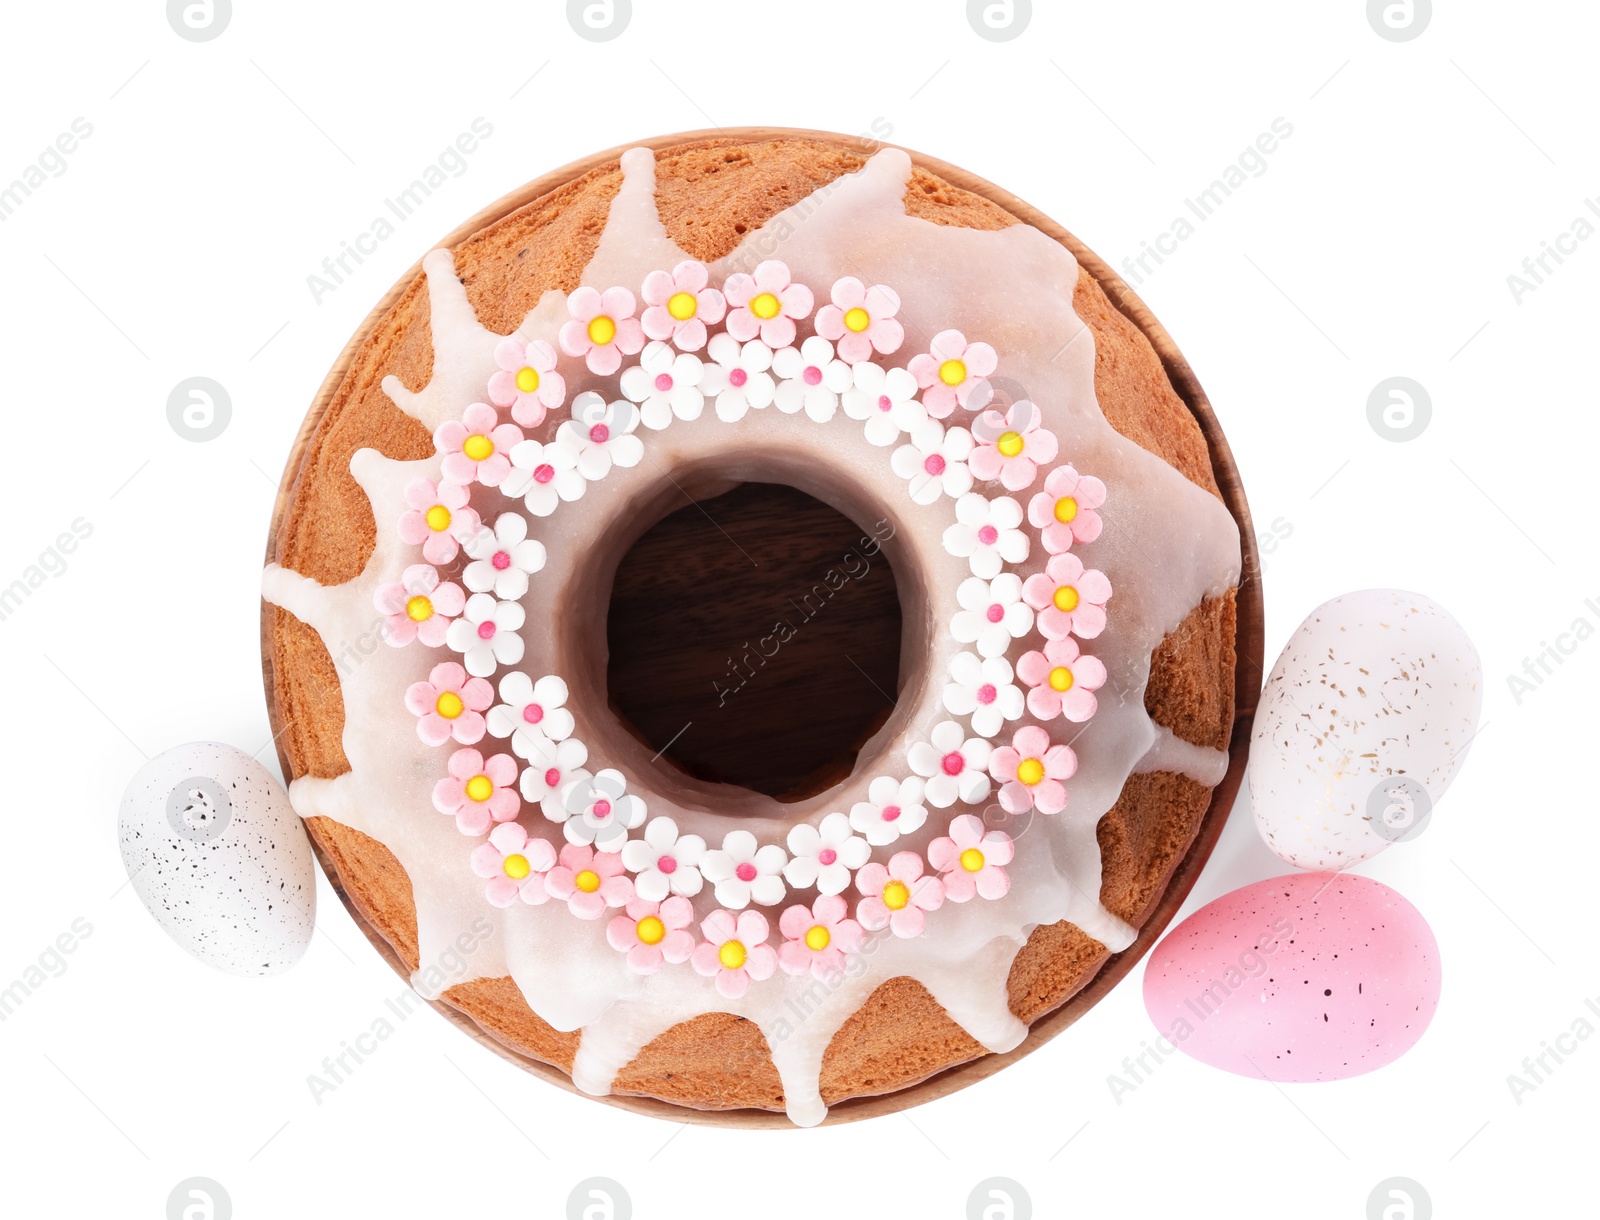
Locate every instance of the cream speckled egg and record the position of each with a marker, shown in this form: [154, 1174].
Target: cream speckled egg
[1362, 727]
[219, 858]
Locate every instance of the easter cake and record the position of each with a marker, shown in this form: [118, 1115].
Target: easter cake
[900, 342]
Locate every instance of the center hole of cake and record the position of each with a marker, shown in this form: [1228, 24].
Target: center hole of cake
[754, 640]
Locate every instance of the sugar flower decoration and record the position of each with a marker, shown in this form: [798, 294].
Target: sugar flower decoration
[527, 380]
[897, 896]
[1030, 771]
[766, 305]
[544, 476]
[935, 462]
[477, 446]
[953, 373]
[1012, 446]
[861, 320]
[602, 328]
[486, 634]
[478, 791]
[551, 768]
[437, 519]
[1063, 681]
[954, 766]
[449, 705]
[653, 933]
[971, 860]
[503, 558]
[679, 306]
[982, 689]
[514, 866]
[527, 706]
[419, 606]
[665, 861]
[601, 434]
[665, 384]
[893, 808]
[824, 855]
[992, 613]
[589, 881]
[744, 872]
[811, 379]
[1064, 511]
[986, 535]
[817, 938]
[1069, 598]
[734, 951]
[739, 376]
[601, 810]
[886, 399]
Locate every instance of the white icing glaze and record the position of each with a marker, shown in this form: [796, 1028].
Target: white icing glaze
[1167, 544]
[1169, 752]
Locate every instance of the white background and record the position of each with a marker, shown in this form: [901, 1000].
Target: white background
[177, 243]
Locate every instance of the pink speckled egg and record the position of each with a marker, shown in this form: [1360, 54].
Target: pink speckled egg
[1313, 976]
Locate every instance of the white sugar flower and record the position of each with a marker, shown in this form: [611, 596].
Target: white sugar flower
[935, 462]
[811, 379]
[543, 475]
[992, 613]
[825, 855]
[600, 809]
[739, 377]
[551, 767]
[744, 873]
[601, 434]
[892, 808]
[985, 533]
[665, 861]
[503, 558]
[486, 634]
[665, 384]
[886, 400]
[982, 689]
[530, 709]
[955, 766]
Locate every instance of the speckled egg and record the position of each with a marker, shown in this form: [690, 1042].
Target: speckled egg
[1361, 727]
[219, 858]
[1313, 976]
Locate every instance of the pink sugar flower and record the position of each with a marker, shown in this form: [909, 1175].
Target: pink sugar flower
[679, 306]
[734, 951]
[1063, 681]
[818, 938]
[514, 866]
[1068, 597]
[477, 447]
[897, 896]
[972, 860]
[589, 881]
[602, 328]
[653, 933]
[527, 381]
[1064, 510]
[437, 519]
[861, 320]
[419, 605]
[1011, 446]
[766, 304]
[449, 704]
[954, 373]
[1030, 771]
[478, 791]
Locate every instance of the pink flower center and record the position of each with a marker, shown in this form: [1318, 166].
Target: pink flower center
[486, 629]
[812, 375]
[599, 434]
[543, 474]
[602, 808]
[552, 777]
[501, 560]
[737, 377]
[934, 465]
[987, 693]
[827, 856]
[891, 813]
[663, 382]
[884, 404]
[667, 864]
[996, 612]
[533, 713]
[745, 871]
[988, 535]
[953, 763]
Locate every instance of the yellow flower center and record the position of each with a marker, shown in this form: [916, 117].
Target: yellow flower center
[765, 305]
[817, 938]
[896, 894]
[602, 330]
[952, 372]
[419, 609]
[480, 788]
[1066, 509]
[857, 319]
[732, 954]
[1065, 598]
[477, 447]
[527, 380]
[516, 867]
[651, 930]
[1009, 444]
[438, 518]
[681, 305]
[1029, 771]
[449, 705]
[972, 858]
[588, 881]
[1060, 678]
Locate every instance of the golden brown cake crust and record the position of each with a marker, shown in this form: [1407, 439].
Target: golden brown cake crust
[710, 192]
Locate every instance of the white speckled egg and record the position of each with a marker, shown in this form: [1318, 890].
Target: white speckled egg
[1362, 726]
[219, 858]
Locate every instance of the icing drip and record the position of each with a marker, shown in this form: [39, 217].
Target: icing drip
[1167, 545]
